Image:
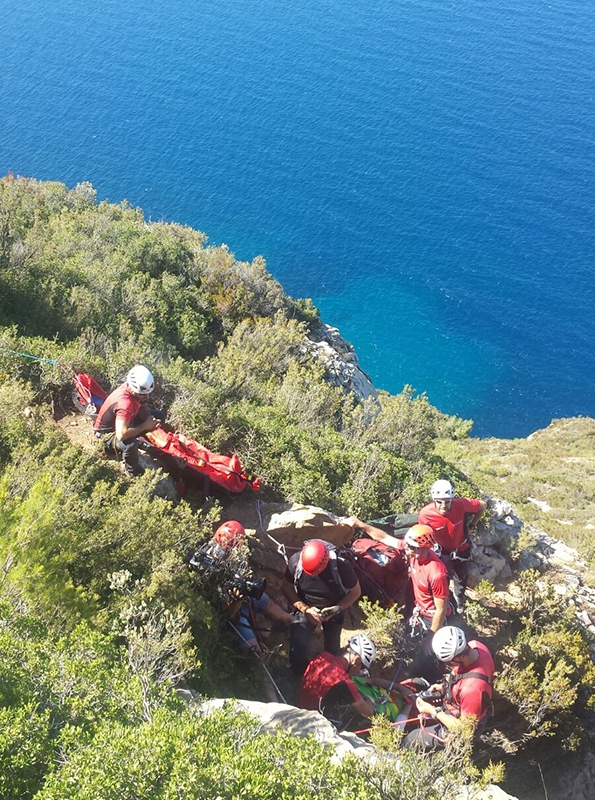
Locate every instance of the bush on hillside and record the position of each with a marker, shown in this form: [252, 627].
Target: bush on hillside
[548, 673]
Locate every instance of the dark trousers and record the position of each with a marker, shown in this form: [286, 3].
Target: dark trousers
[425, 664]
[301, 634]
[458, 572]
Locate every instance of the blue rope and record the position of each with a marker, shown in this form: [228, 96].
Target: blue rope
[34, 358]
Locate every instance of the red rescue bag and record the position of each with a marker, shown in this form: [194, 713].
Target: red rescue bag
[224, 470]
[381, 571]
[87, 394]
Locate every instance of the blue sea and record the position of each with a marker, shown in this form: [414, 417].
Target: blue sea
[424, 170]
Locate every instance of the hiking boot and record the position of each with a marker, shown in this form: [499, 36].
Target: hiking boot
[131, 470]
[460, 603]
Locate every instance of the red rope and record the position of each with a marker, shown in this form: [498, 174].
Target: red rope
[425, 730]
[399, 722]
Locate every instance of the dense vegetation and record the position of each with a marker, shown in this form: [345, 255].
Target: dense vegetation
[549, 476]
[96, 287]
[99, 615]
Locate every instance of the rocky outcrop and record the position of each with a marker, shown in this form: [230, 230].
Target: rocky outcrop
[300, 723]
[561, 565]
[303, 723]
[341, 363]
[565, 569]
[277, 528]
[491, 544]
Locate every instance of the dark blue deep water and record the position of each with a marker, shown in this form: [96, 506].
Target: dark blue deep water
[424, 170]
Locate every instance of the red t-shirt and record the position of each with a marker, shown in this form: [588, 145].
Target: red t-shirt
[428, 580]
[449, 529]
[321, 675]
[119, 404]
[468, 694]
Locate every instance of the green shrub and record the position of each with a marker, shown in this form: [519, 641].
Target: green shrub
[549, 666]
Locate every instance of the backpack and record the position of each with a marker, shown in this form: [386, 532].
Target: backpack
[381, 571]
[395, 524]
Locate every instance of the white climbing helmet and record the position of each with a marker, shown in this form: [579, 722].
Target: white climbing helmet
[448, 642]
[140, 380]
[442, 490]
[364, 648]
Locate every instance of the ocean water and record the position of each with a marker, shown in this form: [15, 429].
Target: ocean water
[424, 170]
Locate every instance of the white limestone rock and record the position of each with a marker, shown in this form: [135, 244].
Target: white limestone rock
[300, 723]
[341, 363]
[487, 564]
[299, 523]
[541, 504]
[529, 560]
[303, 723]
[500, 508]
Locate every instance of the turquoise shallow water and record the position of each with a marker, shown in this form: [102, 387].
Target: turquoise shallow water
[401, 320]
[424, 170]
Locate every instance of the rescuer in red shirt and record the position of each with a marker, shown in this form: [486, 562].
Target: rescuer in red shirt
[125, 415]
[429, 584]
[465, 693]
[447, 515]
[427, 573]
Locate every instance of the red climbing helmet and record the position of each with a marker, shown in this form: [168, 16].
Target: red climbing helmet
[230, 534]
[315, 556]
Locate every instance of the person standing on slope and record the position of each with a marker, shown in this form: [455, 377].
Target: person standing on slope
[320, 584]
[451, 518]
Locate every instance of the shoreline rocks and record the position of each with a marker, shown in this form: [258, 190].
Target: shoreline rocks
[341, 363]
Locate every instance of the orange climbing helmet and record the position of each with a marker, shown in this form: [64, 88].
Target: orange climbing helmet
[419, 536]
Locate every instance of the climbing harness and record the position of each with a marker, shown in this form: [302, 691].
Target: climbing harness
[454, 554]
[454, 679]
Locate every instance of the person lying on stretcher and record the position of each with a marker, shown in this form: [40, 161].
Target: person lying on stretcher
[333, 683]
